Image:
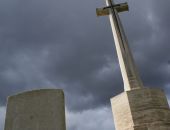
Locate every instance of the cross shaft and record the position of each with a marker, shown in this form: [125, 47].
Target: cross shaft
[129, 72]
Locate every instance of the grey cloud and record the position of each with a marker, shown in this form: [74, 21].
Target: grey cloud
[85, 120]
[2, 117]
[62, 44]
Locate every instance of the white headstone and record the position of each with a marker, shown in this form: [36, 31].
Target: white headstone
[36, 110]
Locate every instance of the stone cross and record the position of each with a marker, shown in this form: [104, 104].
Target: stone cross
[128, 69]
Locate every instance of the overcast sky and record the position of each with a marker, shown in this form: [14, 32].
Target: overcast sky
[62, 44]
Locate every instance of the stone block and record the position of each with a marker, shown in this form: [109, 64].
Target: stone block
[36, 110]
[141, 109]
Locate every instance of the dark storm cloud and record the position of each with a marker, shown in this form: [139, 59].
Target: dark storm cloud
[102, 116]
[62, 44]
[45, 44]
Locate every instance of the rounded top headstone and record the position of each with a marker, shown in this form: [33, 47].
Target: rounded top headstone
[42, 109]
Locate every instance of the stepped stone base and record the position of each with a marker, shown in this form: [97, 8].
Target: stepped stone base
[141, 109]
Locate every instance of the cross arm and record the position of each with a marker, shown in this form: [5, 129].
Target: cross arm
[106, 10]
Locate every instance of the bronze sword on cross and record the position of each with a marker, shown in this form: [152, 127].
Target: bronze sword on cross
[131, 78]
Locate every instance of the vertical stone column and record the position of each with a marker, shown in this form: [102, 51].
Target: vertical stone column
[36, 110]
[131, 78]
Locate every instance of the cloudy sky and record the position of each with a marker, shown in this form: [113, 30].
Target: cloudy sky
[62, 44]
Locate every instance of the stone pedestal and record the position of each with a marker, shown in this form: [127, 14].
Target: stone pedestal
[141, 109]
[36, 110]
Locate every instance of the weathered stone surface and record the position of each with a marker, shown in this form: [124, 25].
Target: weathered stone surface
[141, 109]
[36, 110]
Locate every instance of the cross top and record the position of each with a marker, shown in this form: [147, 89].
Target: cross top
[105, 10]
[130, 76]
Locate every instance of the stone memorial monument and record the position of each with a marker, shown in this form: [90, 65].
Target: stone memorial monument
[137, 108]
[36, 110]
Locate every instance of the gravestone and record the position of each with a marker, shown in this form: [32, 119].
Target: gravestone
[36, 110]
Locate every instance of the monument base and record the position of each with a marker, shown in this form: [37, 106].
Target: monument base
[141, 109]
